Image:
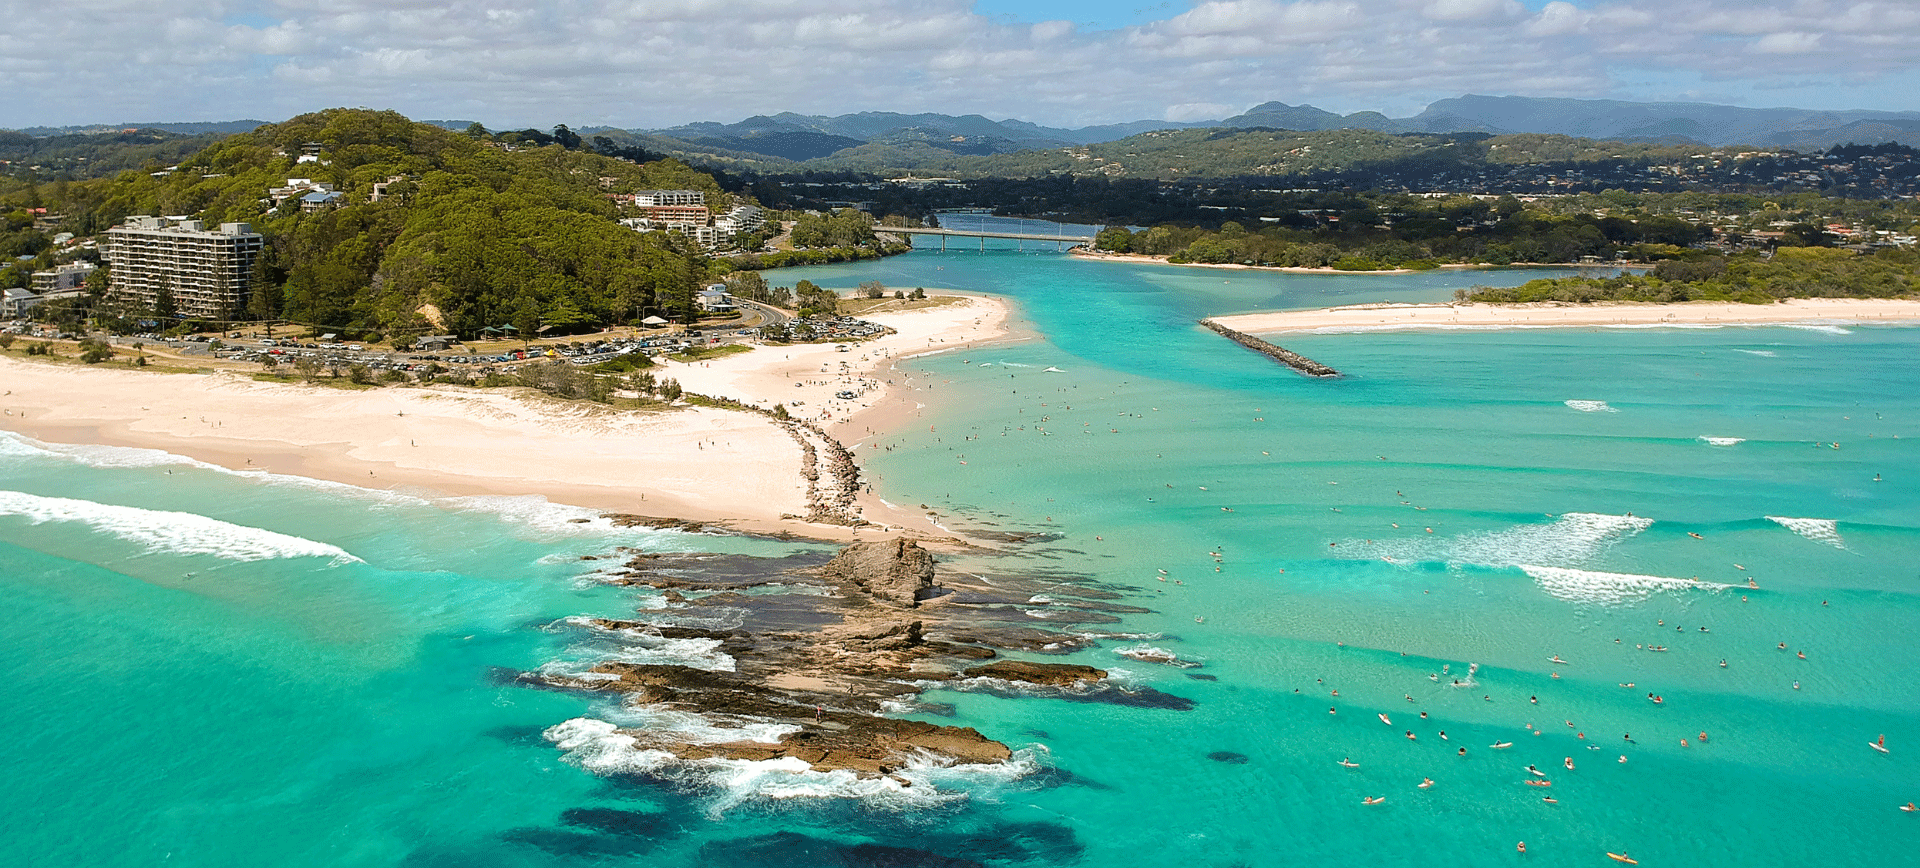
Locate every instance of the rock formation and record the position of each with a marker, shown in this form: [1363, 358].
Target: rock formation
[829, 666]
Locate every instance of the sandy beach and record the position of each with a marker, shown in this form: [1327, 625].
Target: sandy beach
[713, 465]
[807, 378]
[1555, 315]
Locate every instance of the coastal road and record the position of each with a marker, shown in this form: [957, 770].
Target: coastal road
[769, 315]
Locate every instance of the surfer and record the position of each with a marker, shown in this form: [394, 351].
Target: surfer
[1426, 782]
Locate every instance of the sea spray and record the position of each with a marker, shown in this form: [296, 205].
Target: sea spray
[1821, 530]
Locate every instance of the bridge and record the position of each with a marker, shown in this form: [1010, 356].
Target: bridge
[983, 235]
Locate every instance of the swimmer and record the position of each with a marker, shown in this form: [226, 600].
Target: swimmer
[1723, 663]
[1463, 752]
[1411, 736]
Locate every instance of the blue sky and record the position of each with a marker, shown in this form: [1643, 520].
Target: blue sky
[656, 63]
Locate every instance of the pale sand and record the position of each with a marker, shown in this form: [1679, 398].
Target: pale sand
[887, 399]
[1541, 315]
[696, 463]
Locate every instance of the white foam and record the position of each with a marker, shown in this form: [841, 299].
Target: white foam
[1589, 586]
[1768, 353]
[1721, 441]
[170, 532]
[638, 645]
[923, 781]
[1571, 540]
[1824, 530]
[694, 728]
[1818, 327]
[1151, 654]
[1591, 406]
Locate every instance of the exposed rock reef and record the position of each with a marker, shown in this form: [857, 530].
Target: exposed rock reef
[825, 666]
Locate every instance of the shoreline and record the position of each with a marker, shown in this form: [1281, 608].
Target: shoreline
[884, 394]
[1396, 317]
[1144, 259]
[743, 472]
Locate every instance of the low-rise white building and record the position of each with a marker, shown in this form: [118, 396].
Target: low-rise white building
[661, 198]
[72, 275]
[15, 302]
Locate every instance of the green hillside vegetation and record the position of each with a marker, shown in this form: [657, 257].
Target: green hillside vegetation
[1792, 272]
[55, 159]
[484, 236]
[1213, 152]
[1376, 231]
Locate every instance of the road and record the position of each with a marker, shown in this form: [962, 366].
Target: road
[769, 315]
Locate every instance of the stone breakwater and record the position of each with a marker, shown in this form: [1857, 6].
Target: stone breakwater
[830, 495]
[1279, 354]
[828, 669]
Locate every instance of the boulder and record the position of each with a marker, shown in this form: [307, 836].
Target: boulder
[896, 572]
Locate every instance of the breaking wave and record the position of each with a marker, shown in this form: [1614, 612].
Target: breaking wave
[1153, 654]
[1589, 586]
[923, 781]
[1767, 353]
[1721, 441]
[636, 645]
[1591, 406]
[1822, 530]
[1817, 327]
[170, 532]
[1571, 540]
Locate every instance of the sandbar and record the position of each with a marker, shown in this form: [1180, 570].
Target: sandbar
[1385, 317]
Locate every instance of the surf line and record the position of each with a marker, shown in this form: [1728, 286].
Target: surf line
[1284, 356]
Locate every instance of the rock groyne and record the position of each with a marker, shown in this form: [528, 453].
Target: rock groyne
[1279, 354]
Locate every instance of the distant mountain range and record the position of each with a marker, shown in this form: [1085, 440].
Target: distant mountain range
[806, 137]
[796, 138]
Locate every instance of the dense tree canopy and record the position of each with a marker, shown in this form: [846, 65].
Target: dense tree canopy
[470, 233]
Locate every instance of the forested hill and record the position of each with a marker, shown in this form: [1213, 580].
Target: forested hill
[1172, 155]
[468, 235]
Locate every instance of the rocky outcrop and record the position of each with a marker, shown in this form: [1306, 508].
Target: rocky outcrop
[1049, 674]
[833, 665]
[896, 572]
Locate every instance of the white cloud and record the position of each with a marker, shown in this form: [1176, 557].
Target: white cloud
[662, 62]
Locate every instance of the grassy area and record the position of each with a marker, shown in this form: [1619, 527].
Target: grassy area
[696, 354]
[863, 306]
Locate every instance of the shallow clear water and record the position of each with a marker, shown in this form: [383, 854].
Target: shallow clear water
[315, 683]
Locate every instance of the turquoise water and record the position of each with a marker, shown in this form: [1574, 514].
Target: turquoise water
[309, 677]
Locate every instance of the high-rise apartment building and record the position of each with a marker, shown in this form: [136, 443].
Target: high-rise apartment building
[209, 272]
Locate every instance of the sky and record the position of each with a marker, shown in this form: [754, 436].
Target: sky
[660, 63]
